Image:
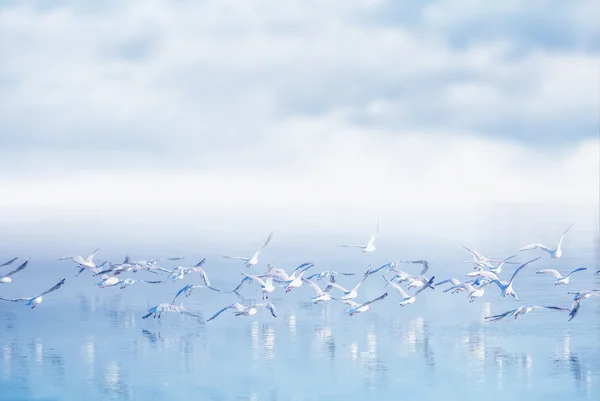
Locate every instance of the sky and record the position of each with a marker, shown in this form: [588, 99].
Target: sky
[242, 116]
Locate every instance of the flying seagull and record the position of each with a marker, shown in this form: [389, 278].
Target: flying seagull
[360, 308]
[87, 263]
[9, 262]
[554, 253]
[158, 310]
[370, 247]
[352, 293]
[241, 310]
[521, 310]
[322, 295]
[506, 288]
[254, 259]
[34, 301]
[188, 290]
[580, 296]
[7, 277]
[406, 299]
[560, 280]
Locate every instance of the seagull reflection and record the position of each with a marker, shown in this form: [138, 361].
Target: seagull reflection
[564, 358]
[113, 384]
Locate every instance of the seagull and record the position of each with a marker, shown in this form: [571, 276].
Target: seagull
[158, 310]
[327, 273]
[521, 310]
[360, 308]
[179, 272]
[188, 290]
[580, 296]
[241, 310]
[297, 280]
[83, 263]
[406, 299]
[5, 279]
[370, 247]
[266, 284]
[9, 262]
[280, 275]
[554, 253]
[322, 295]
[480, 259]
[34, 301]
[111, 281]
[254, 259]
[474, 292]
[560, 280]
[457, 284]
[353, 293]
[506, 288]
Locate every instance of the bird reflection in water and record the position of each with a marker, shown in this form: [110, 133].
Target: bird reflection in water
[577, 366]
[113, 384]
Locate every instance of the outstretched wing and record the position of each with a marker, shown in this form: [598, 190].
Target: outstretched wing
[18, 269]
[237, 257]
[221, 311]
[520, 268]
[201, 262]
[535, 246]
[339, 287]
[314, 286]
[574, 271]
[554, 272]
[255, 278]
[379, 298]
[554, 308]
[374, 235]
[495, 318]
[181, 291]
[267, 241]
[396, 286]
[16, 299]
[563, 235]
[428, 284]
[352, 246]
[244, 280]
[452, 280]
[9, 262]
[202, 274]
[56, 287]
[90, 258]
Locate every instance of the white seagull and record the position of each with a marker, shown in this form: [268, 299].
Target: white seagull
[179, 272]
[498, 269]
[5, 279]
[370, 247]
[352, 293]
[266, 284]
[326, 274]
[521, 310]
[506, 288]
[406, 299]
[35, 301]
[188, 290]
[474, 292]
[241, 310]
[360, 308]
[158, 310]
[111, 281]
[87, 263]
[554, 253]
[254, 259]
[560, 280]
[322, 295]
[580, 296]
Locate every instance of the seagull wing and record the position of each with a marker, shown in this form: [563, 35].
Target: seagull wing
[90, 258]
[553, 308]
[9, 262]
[202, 273]
[495, 318]
[577, 270]
[519, 269]
[18, 269]
[453, 280]
[554, 272]
[379, 298]
[314, 286]
[339, 287]
[56, 287]
[374, 235]
[484, 274]
[16, 299]
[221, 311]
[563, 235]
[256, 278]
[352, 246]
[237, 257]
[396, 286]
[267, 241]
[428, 284]
[535, 246]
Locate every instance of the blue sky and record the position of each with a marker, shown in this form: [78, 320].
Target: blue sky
[226, 105]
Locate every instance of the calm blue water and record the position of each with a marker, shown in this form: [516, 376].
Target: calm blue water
[84, 343]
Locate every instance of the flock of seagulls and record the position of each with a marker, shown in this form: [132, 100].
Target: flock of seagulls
[486, 271]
